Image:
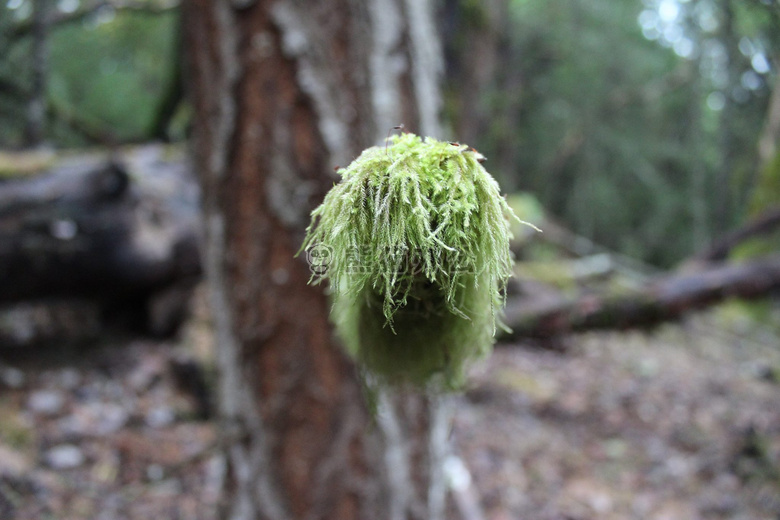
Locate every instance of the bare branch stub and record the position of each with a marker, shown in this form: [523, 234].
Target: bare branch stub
[399, 127]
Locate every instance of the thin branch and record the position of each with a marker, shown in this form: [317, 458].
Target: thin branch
[86, 129]
[59, 18]
[764, 224]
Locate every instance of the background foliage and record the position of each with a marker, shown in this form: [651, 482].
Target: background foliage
[107, 70]
[634, 122]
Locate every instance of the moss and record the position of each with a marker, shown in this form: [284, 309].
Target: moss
[13, 432]
[414, 242]
[21, 164]
[766, 194]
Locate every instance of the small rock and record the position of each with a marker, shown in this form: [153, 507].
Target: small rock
[169, 488]
[69, 378]
[718, 505]
[148, 371]
[160, 417]
[64, 456]
[458, 476]
[46, 402]
[13, 462]
[95, 418]
[11, 377]
[112, 418]
[155, 472]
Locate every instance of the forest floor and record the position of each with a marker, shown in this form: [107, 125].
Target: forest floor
[679, 424]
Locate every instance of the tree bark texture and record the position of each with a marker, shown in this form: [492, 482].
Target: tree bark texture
[283, 92]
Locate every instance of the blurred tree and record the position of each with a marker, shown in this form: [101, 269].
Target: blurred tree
[282, 92]
[13, 93]
[36, 104]
[475, 50]
[766, 191]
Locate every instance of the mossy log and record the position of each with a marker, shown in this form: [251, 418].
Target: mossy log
[664, 299]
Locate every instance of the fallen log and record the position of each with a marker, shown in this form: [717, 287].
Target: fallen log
[664, 299]
[120, 232]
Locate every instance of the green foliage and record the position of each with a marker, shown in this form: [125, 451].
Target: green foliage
[767, 191]
[474, 13]
[417, 240]
[112, 74]
[593, 147]
[613, 131]
[107, 72]
[24, 163]
[14, 432]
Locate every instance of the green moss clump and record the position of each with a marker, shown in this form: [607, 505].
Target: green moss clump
[414, 241]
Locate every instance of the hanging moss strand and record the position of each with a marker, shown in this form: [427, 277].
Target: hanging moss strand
[417, 239]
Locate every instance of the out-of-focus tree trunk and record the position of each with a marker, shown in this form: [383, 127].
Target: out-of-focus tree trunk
[283, 91]
[172, 97]
[36, 104]
[770, 135]
[725, 185]
[474, 38]
[482, 94]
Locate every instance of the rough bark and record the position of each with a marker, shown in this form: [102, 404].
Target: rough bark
[665, 299]
[57, 18]
[283, 91]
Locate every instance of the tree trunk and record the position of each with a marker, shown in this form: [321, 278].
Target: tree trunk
[770, 135]
[36, 105]
[473, 41]
[283, 92]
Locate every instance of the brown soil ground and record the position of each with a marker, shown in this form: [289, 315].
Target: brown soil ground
[679, 424]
